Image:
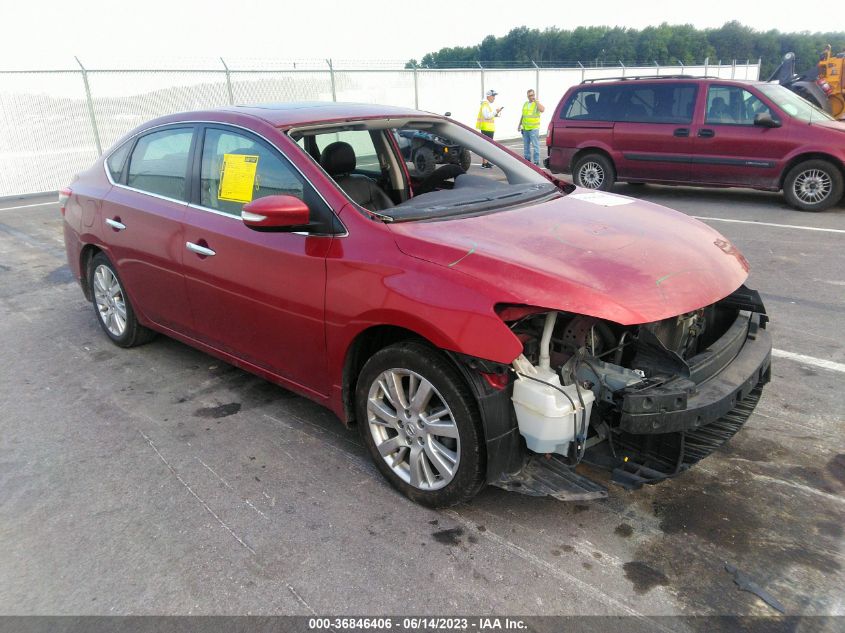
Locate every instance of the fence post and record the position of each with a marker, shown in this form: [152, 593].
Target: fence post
[623, 67]
[733, 69]
[416, 90]
[759, 65]
[706, 63]
[228, 83]
[90, 107]
[656, 65]
[682, 66]
[482, 77]
[331, 76]
[582, 71]
[536, 79]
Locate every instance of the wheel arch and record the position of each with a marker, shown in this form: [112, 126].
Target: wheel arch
[89, 251]
[800, 158]
[592, 149]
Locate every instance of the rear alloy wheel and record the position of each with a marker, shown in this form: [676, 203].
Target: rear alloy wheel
[814, 185]
[420, 424]
[594, 171]
[114, 311]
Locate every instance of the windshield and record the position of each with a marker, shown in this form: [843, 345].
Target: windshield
[794, 105]
[421, 168]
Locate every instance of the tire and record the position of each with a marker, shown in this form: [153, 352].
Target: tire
[424, 161]
[466, 159]
[814, 185]
[594, 171]
[112, 307]
[434, 468]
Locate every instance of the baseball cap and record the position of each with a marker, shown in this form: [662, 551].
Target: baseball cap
[492, 93]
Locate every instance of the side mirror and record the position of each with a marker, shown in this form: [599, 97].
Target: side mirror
[276, 212]
[764, 119]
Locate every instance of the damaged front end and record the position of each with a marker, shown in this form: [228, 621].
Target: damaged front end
[645, 402]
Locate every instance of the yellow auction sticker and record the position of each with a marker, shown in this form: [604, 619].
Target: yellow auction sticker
[237, 177]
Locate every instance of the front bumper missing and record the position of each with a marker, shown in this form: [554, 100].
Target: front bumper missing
[665, 429]
[720, 377]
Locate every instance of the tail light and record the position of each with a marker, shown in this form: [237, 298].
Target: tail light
[549, 134]
[824, 86]
[64, 196]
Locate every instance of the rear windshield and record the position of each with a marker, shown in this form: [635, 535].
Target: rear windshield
[634, 102]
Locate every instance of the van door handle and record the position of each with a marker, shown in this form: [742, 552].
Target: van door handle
[116, 224]
[681, 131]
[706, 133]
[200, 250]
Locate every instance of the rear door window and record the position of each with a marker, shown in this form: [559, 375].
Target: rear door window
[159, 163]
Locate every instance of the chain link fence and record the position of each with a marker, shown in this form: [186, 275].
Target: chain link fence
[55, 123]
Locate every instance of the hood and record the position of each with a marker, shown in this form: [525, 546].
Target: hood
[590, 253]
[830, 125]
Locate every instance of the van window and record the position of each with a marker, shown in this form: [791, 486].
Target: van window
[731, 105]
[593, 103]
[634, 102]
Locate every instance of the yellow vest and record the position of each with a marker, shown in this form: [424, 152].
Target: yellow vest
[483, 124]
[530, 116]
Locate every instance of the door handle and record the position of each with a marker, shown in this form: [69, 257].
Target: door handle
[706, 133]
[117, 225]
[681, 131]
[200, 250]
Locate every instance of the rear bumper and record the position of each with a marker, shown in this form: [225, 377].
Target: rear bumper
[720, 378]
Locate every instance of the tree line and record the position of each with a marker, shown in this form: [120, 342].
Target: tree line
[666, 44]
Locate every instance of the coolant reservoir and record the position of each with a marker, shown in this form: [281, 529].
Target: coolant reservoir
[547, 419]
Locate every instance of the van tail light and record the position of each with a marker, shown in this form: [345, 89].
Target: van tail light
[64, 196]
[549, 134]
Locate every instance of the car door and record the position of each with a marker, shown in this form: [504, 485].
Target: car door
[729, 149]
[256, 295]
[652, 134]
[142, 224]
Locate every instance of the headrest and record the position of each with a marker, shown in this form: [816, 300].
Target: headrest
[338, 158]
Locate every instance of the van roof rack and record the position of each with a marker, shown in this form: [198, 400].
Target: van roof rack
[635, 77]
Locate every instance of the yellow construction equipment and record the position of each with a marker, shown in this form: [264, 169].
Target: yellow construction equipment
[831, 69]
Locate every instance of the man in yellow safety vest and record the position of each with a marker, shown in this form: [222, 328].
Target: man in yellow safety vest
[486, 122]
[529, 125]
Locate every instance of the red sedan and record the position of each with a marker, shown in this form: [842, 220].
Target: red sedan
[494, 327]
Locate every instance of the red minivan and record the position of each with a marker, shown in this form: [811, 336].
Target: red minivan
[698, 131]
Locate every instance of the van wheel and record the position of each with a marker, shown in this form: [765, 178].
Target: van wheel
[420, 423]
[594, 171]
[814, 185]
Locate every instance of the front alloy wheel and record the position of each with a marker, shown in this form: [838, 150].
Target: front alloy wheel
[814, 185]
[413, 429]
[420, 423]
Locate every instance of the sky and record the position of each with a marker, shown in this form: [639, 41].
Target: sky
[48, 34]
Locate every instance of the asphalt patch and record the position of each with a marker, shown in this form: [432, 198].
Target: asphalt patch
[644, 577]
[451, 536]
[220, 411]
[60, 275]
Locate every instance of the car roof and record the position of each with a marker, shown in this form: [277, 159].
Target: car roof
[291, 114]
[667, 79]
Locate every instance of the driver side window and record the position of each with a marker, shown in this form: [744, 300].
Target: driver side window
[237, 169]
[733, 106]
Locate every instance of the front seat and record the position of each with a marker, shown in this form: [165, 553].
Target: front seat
[338, 159]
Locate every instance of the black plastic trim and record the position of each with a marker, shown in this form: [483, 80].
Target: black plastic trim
[714, 397]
